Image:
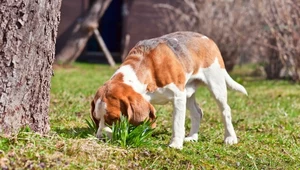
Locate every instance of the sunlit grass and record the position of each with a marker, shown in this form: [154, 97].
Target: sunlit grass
[267, 124]
[127, 135]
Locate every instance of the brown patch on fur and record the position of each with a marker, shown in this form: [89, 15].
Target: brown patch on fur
[158, 68]
[164, 60]
[132, 60]
[121, 98]
[118, 77]
[151, 87]
[139, 49]
[204, 52]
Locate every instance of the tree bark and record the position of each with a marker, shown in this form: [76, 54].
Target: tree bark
[82, 32]
[275, 65]
[28, 31]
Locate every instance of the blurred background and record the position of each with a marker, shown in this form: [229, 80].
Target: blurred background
[266, 33]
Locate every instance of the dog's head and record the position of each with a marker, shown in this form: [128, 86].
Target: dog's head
[116, 98]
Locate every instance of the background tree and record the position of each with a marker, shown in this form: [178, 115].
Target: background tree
[257, 31]
[81, 33]
[219, 20]
[281, 32]
[28, 32]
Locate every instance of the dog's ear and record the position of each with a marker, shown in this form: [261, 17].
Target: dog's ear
[125, 108]
[93, 114]
[137, 109]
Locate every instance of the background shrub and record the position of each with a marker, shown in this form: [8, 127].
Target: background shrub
[255, 31]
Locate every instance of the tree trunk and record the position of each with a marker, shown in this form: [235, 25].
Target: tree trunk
[275, 65]
[28, 32]
[82, 32]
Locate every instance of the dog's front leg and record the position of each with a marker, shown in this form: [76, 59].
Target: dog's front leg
[179, 109]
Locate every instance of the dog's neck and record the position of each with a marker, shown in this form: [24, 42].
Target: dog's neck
[127, 75]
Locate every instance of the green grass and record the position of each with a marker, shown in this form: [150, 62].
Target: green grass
[126, 135]
[267, 124]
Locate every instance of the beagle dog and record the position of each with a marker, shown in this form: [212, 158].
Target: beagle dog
[162, 70]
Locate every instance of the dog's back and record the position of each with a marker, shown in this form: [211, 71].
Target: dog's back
[190, 48]
[172, 56]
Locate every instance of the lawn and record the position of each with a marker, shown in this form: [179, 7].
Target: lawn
[267, 123]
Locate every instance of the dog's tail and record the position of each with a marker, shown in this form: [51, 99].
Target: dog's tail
[234, 85]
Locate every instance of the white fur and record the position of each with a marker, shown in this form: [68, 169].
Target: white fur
[234, 85]
[196, 115]
[161, 95]
[178, 98]
[179, 109]
[205, 37]
[100, 111]
[131, 79]
[216, 79]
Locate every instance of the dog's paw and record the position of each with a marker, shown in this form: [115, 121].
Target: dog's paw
[230, 140]
[193, 138]
[176, 143]
[176, 146]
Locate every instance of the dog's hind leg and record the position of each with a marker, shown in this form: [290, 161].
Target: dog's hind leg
[218, 88]
[195, 116]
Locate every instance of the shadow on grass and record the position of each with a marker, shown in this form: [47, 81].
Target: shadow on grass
[82, 132]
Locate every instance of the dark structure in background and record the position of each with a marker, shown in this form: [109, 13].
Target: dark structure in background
[138, 18]
[70, 11]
